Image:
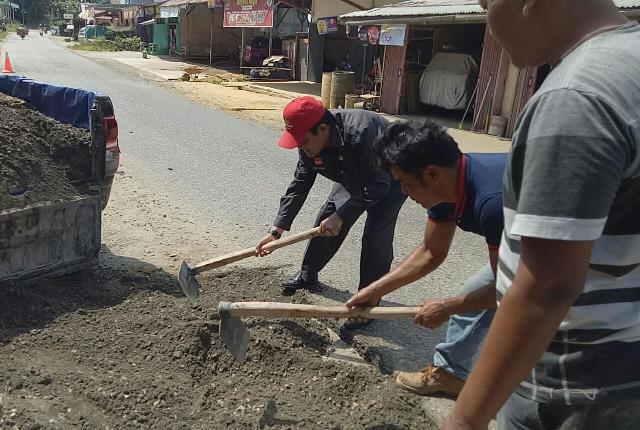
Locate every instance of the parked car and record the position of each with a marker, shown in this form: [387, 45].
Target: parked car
[258, 49]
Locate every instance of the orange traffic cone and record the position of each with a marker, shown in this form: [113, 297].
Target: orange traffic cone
[8, 68]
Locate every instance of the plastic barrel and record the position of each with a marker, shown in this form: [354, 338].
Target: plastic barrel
[325, 91]
[350, 100]
[342, 83]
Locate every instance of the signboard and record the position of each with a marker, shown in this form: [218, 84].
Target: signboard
[67, 16]
[393, 34]
[169, 11]
[369, 34]
[248, 13]
[214, 3]
[327, 25]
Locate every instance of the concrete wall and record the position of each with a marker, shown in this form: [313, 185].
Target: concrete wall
[195, 32]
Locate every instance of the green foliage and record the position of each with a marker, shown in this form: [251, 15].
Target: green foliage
[95, 45]
[46, 11]
[59, 7]
[100, 44]
[127, 43]
[11, 28]
[114, 31]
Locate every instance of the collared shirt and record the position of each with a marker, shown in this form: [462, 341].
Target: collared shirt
[348, 160]
[479, 205]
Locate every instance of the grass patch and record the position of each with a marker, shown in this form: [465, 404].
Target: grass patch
[11, 28]
[95, 45]
[101, 44]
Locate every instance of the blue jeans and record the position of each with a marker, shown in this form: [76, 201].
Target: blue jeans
[465, 332]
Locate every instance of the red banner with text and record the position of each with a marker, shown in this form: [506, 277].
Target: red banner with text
[248, 13]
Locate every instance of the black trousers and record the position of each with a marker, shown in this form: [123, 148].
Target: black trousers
[376, 254]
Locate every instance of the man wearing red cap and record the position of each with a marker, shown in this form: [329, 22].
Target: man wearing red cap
[338, 145]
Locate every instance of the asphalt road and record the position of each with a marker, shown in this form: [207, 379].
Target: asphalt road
[229, 173]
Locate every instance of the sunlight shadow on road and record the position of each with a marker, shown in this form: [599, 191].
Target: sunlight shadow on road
[34, 304]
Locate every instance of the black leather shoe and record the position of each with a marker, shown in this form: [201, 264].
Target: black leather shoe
[298, 281]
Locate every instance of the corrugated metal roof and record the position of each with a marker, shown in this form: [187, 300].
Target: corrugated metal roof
[418, 8]
[174, 3]
[415, 8]
[627, 4]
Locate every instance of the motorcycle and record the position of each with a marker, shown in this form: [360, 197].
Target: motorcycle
[41, 32]
[22, 31]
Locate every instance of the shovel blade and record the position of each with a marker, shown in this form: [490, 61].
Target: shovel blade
[188, 282]
[235, 336]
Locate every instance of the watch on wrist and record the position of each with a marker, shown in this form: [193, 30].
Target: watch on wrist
[273, 231]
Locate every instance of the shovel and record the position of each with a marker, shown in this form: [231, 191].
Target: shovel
[235, 334]
[186, 275]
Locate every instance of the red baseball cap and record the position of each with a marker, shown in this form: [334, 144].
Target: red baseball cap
[299, 116]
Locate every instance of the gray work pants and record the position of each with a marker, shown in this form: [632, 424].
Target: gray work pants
[521, 413]
[376, 254]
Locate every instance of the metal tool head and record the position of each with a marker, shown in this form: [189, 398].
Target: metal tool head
[234, 333]
[188, 283]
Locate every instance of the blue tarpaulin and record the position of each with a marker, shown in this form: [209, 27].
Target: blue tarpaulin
[67, 105]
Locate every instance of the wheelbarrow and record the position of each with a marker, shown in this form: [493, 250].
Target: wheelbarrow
[193, 72]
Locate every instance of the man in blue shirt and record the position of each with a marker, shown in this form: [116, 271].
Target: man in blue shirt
[458, 190]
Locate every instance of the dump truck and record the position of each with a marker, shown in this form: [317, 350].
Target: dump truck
[44, 233]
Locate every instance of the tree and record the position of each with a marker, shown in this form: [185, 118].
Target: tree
[41, 11]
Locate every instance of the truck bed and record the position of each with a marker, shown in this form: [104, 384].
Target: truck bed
[51, 223]
[49, 238]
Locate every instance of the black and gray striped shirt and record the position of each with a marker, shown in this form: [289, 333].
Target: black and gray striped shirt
[574, 174]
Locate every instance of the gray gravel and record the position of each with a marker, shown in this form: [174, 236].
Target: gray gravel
[229, 174]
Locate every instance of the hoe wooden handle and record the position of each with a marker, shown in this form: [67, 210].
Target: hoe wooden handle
[223, 260]
[292, 310]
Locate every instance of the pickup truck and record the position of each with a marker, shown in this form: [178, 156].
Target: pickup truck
[53, 238]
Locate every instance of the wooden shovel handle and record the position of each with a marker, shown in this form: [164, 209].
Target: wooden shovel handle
[223, 260]
[292, 310]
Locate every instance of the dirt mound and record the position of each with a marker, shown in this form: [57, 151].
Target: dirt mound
[39, 156]
[123, 348]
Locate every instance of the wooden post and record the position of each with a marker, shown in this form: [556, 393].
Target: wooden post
[211, 40]
[364, 65]
[241, 49]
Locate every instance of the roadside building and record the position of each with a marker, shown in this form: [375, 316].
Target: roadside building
[196, 29]
[440, 40]
[8, 10]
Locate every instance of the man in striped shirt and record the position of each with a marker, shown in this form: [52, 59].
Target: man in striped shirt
[566, 336]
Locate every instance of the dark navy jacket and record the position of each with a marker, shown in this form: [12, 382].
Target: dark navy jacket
[348, 160]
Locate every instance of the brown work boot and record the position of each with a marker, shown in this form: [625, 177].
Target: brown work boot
[431, 381]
